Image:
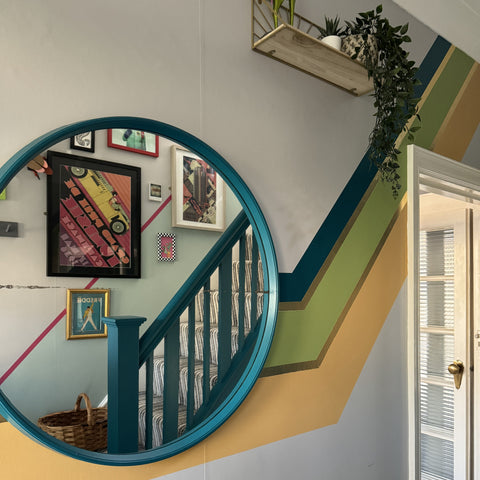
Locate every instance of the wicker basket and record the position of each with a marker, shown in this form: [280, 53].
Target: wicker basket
[85, 429]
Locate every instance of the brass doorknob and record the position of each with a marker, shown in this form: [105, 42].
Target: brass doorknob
[456, 369]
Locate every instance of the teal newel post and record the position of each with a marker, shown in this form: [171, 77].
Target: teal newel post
[123, 332]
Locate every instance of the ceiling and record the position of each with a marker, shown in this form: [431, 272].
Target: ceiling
[458, 21]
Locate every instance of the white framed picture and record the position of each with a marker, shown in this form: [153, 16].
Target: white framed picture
[198, 192]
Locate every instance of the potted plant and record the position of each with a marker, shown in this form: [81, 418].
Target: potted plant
[394, 80]
[331, 33]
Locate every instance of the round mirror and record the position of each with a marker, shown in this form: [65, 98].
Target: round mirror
[129, 216]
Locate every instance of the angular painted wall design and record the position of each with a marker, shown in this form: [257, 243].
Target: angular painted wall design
[335, 302]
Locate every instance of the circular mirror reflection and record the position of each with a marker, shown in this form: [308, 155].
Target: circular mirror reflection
[113, 221]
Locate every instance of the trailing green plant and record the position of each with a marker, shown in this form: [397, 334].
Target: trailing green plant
[393, 82]
[332, 27]
[276, 4]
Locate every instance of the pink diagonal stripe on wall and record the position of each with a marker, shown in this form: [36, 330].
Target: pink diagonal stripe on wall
[62, 314]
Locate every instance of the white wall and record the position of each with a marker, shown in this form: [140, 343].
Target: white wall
[458, 21]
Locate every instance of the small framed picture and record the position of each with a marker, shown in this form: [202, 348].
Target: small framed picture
[85, 309]
[198, 192]
[136, 141]
[166, 247]
[155, 192]
[83, 141]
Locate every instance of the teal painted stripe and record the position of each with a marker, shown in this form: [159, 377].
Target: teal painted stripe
[294, 286]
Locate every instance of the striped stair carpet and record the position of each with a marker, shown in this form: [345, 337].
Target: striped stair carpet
[158, 369]
[157, 431]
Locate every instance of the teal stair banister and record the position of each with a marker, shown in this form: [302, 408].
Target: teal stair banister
[204, 350]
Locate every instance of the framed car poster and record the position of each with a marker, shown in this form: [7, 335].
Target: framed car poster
[93, 218]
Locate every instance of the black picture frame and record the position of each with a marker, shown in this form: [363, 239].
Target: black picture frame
[83, 141]
[93, 217]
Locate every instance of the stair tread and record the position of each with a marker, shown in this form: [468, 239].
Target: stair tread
[183, 362]
[212, 325]
[157, 403]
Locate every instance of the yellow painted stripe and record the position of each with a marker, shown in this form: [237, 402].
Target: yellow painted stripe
[461, 122]
[271, 412]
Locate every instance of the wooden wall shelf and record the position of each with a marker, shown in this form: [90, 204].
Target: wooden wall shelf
[295, 47]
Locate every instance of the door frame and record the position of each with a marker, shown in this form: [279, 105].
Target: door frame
[443, 175]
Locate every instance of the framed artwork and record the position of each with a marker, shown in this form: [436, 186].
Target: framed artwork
[136, 141]
[198, 193]
[83, 141]
[166, 247]
[85, 309]
[155, 192]
[93, 218]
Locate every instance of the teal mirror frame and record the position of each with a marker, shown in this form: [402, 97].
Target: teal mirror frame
[267, 252]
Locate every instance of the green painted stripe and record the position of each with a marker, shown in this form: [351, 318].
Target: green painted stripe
[442, 96]
[300, 335]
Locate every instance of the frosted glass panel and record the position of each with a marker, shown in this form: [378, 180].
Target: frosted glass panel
[437, 252]
[437, 303]
[436, 353]
[436, 408]
[437, 458]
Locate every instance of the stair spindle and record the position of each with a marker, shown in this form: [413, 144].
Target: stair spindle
[241, 290]
[254, 284]
[224, 315]
[149, 402]
[171, 380]
[191, 364]
[206, 341]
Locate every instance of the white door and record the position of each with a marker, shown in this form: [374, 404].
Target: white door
[443, 312]
[443, 326]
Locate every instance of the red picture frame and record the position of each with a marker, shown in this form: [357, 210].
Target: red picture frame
[137, 141]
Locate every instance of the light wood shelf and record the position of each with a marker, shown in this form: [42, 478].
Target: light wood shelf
[293, 46]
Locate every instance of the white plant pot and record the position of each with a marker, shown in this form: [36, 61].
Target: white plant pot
[333, 41]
